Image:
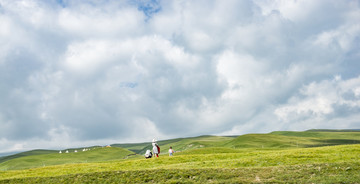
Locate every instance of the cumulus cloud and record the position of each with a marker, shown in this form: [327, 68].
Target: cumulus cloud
[331, 103]
[98, 72]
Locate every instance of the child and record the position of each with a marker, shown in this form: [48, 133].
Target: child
[171, 151]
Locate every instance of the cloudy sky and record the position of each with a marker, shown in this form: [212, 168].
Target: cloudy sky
[80, 73]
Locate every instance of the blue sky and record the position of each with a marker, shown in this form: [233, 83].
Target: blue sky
[149, 7]
[80, 73]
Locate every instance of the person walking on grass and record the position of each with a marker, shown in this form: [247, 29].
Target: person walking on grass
[171, 151]
[156, 148]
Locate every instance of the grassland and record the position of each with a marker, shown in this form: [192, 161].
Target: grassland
[290, 157]
[287, 139]
[41, 160]
[26, 153]
[325, 164]
[180, 143]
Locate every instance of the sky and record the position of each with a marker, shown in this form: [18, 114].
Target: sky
[97, 72]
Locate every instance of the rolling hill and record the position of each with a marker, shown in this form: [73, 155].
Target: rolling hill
[290, 139]
[330, 164]
[41, 160]
[180, 144]
[218, 144]
[315, 156]
[26, 153]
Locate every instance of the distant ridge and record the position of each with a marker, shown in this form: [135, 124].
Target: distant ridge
[333, 130]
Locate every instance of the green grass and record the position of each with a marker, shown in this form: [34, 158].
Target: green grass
[323, 138]
[321, 134]
[316, 173]
[288, 139]
[333, 130]
[267, 141]
[178, 144]
[94, 155]
[26, 153]
[274, 140]
[325, 164]
[282, 156]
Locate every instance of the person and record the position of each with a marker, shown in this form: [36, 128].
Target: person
[156, 148]
[148, 154]
[171, 151]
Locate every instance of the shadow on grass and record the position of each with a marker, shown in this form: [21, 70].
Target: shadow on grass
[333, 142]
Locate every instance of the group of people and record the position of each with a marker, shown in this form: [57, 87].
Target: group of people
[156, 150]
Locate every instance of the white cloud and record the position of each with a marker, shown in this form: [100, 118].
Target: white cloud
[293, 10]
[96, 72]
[92, 21]
[320, 100]
[240, 71]
[10, 146]
[342, 37]
[89, 56]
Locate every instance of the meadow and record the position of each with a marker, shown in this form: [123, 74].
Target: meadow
[289, 157]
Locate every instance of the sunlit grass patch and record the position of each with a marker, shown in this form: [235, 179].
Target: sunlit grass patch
[338, 155]
[314, 173]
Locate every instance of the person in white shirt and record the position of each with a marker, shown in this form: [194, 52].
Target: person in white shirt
[156, 148]
[171, 151]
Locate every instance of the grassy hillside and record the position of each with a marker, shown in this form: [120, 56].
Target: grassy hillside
[322, 134]
[333, 130]
[274, 140]
[266, 141]
[328, 173]
[94, 155]
[289, 139]
[180, 144]
[26, 153]
[281, 156]
[279, 139]
[332, 164]
[135, 147]
[324, 138]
